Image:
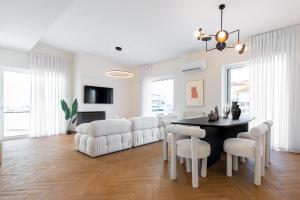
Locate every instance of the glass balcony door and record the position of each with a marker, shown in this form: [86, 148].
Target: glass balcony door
[16, 94]
[1, 105]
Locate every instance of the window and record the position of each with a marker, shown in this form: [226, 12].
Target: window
[237, 86]
[162, 93]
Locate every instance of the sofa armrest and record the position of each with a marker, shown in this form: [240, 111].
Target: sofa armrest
[82, 128]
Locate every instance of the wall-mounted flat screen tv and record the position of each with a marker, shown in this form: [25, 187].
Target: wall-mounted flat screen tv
[98, 95]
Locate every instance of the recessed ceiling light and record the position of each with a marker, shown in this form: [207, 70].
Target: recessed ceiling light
[118, 48]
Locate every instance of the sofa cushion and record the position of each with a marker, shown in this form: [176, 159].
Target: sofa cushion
[139, 123]
[97, 146]
[145, 136]
[109, 127]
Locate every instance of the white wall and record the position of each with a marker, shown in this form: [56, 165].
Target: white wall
[212, 77]
[90, 70]
[14, 58]
[18, 59]
[85, 69]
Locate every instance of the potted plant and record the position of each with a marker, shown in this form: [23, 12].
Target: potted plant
[70, 115]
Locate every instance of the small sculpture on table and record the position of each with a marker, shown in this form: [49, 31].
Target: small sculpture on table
[214, 116]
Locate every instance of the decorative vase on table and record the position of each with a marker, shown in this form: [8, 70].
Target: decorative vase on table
[226, 111]
[235, 110]
[214, 116]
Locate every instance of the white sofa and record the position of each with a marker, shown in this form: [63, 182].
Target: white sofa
[103, 137]
[106, 136]
[144, 130]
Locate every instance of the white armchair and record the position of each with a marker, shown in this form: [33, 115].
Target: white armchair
[247, 135]
[191, 149]
[0, 150]
[164, 121]
[235, 147]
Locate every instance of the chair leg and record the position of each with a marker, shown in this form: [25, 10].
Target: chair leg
[267, 157]
[268, 151]
[229, 164]
[173, 157]
[165, 149]
[257, 170]
[181, 160]
[194, 155]
[242, 159]
[235, 160]
[188, 164]
[195, 173]
[263, 158]
[268, 161]
[204, 167]
[263, 165]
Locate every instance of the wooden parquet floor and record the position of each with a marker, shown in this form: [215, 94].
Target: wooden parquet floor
[49, 168]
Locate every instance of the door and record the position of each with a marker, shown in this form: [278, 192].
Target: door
[15, 101]
[1, 105]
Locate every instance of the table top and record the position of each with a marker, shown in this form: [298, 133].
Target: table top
[221, 123]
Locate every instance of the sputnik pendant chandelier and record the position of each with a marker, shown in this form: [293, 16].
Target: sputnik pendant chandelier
[221, 37]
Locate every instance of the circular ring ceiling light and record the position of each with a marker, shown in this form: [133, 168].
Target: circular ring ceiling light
[119, 74]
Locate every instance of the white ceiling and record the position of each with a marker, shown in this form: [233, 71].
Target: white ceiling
[148, 30]
[24, 22]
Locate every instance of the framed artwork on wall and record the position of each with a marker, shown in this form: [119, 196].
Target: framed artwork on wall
[194, 93]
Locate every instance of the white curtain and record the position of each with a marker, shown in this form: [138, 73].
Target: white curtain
[145, 89]
[49, 77]
[275, 85]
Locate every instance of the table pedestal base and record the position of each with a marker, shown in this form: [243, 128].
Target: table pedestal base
[216, 137]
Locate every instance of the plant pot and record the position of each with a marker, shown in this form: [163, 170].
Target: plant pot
[69, 132]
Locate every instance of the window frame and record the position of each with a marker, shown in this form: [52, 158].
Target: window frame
[225, 79]
[162, 78]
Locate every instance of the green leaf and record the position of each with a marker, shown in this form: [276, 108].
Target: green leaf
[74, 108]
[66, 109]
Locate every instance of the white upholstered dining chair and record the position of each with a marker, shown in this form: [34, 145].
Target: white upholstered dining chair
[192, 149]
[247, 135]
[164, 121]
[0, 150]
[248, 148]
